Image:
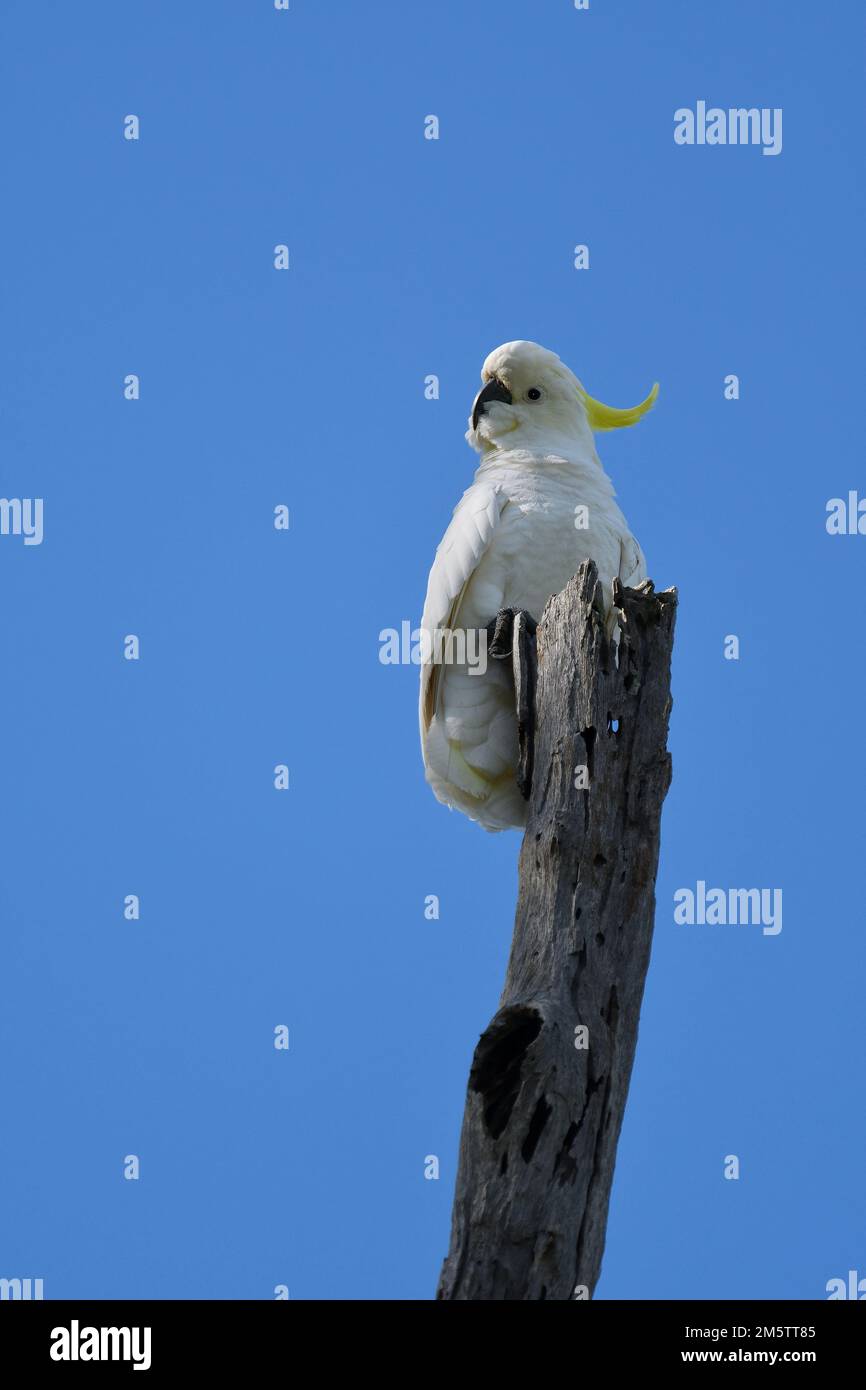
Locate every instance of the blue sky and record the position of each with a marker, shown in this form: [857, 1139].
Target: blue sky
[258, 387]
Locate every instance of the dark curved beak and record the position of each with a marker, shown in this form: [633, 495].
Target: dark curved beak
[493, 391]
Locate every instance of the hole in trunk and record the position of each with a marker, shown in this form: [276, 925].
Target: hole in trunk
[498, 1061]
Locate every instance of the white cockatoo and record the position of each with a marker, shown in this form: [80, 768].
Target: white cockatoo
[539, 505]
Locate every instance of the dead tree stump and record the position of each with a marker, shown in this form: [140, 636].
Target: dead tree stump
[550, 1074]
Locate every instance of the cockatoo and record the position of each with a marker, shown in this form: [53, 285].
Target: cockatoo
[539, 505]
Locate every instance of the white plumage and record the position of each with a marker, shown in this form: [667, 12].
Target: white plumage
[512, 543]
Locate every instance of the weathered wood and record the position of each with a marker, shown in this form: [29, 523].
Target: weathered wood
[543, 1112]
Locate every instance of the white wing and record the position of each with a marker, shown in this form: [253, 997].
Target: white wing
[475, 519]
[632, 565]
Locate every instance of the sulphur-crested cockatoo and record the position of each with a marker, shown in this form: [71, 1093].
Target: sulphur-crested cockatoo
[540, 504]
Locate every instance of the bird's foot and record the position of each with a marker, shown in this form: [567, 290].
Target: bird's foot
[524, 667]
[512, 634]
[500, 632]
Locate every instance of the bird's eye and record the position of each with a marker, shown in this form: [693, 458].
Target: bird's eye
[533, 394]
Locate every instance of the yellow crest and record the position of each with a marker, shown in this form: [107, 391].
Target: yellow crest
[607, 417]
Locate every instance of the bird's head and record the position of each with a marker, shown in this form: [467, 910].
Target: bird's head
[529, 394]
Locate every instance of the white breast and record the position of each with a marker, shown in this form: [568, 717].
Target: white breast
[470, 745]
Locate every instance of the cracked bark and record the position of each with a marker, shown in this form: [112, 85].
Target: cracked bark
[543, 1114]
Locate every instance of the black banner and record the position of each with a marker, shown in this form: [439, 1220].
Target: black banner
[216, 1338]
